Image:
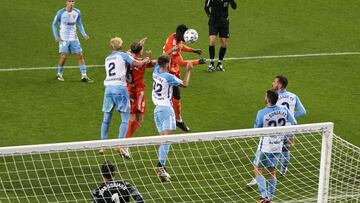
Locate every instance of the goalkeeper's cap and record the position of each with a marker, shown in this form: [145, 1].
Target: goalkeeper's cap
[116, 43]
[108, 169]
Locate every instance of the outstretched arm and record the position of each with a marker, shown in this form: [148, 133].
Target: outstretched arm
[186, 80]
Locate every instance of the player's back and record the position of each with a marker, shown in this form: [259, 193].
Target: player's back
[162, 87]
[115, 67]
[287, 99]
[273, 116]
[115, 191]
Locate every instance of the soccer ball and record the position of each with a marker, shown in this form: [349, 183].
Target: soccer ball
[190, 36]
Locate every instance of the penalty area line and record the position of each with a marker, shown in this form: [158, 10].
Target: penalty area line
[231, 58]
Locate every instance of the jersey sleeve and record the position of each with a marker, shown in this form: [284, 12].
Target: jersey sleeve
[80, 25]
[135, 194]
[258, 121]
[207, 7]
[95, 197]
[54, 24]
[173, 80]
[300, 110]
[186, 48]
[127, 58]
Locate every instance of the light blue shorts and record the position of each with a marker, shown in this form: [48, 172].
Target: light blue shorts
[116, 96]
[266, 160]
[164, 117]
[72, 47]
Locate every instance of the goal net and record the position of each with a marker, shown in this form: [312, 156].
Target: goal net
[204, 167]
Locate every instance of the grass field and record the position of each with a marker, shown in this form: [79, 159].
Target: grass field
[36, 108]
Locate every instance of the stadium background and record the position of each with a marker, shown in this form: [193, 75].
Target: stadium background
[35, 108]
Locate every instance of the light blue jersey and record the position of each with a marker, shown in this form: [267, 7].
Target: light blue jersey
[68, 22]
[164, 114]
[273, 116]
[163, 83]
[292, 102]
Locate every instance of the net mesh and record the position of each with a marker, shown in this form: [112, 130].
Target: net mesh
[201, 171]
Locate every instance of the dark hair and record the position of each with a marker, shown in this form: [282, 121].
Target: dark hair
[180, 30]
[163, 59]
[272, 96]
[283, 80]
[108, 169]
[136, 47]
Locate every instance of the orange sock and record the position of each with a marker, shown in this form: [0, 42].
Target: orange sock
[177, 108]
[133, 126]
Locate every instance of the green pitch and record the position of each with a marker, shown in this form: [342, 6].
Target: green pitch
[36, 108]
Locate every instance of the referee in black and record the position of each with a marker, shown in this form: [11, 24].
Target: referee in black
[217, 11]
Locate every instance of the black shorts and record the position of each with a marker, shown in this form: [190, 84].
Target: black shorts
[176, 92]
[219, 28]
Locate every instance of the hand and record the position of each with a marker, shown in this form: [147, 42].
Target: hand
[148, 53]
[57, 39]
[198, 51]
[142, 41]
[202, 61]
[189, 66]
[86, 37]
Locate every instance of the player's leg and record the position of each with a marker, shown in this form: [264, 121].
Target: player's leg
[165, 123]
[77, 50]
[176, 100]
[64, 51]
[108, 105]
[285, 158]
[212, 41]
[272, 161]
[138, 106]
[260, 179]
[224, 35]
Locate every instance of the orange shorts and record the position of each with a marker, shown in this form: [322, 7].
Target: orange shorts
[137, 101]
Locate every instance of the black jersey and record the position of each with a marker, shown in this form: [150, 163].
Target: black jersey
[116, 192]
[217, 10]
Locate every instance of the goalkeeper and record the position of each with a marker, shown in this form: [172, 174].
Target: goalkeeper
[114, 190]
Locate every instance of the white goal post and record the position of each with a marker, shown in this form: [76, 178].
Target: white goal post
[208, 166]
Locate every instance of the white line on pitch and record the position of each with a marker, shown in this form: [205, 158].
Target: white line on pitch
[233, 58]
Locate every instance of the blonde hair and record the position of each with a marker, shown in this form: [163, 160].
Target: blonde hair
[116, 43]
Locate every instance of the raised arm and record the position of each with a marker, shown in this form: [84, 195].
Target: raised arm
[186, 79]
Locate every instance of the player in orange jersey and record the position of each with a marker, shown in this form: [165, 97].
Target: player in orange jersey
[136, 87]
[177, 39]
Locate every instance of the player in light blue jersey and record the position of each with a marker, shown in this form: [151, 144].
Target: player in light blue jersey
[293, 103]
[269, 148]
[164, 115]
[116, 93]
[68, 18]
[296, 108]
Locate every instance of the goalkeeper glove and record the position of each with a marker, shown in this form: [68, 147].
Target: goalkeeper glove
[198, 51]
[202, 61]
